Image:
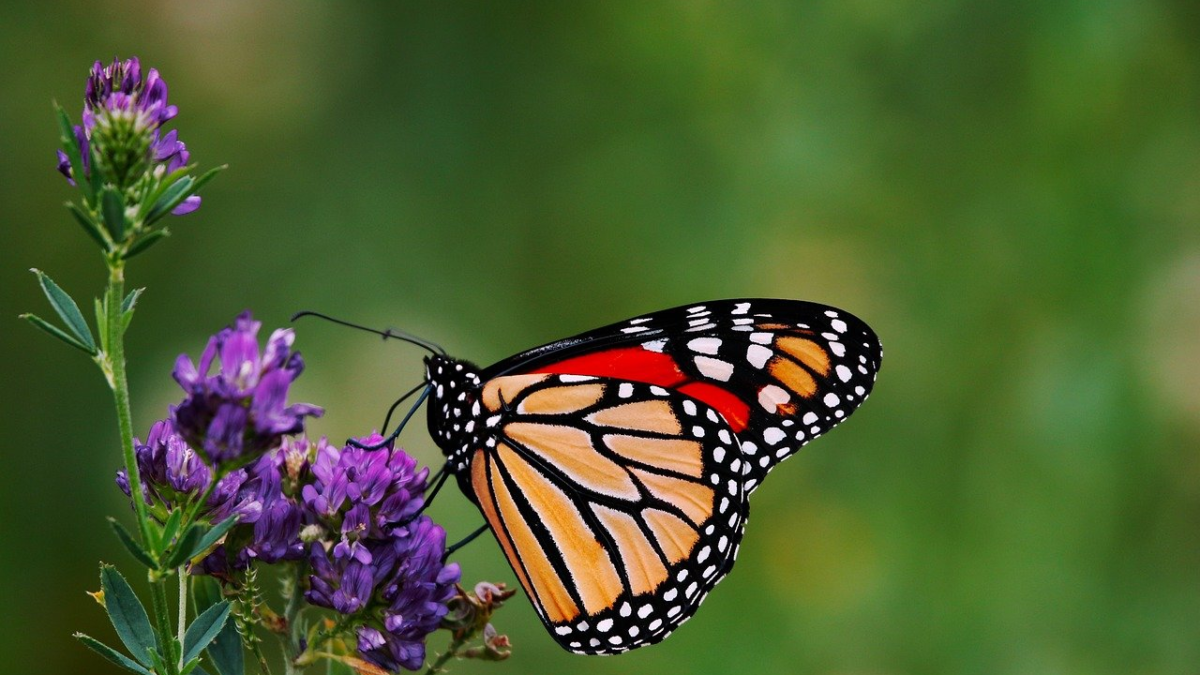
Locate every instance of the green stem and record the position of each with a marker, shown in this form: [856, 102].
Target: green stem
[450, 653]
[119, 382]
[158, 595]
[181, 626]
[291, 616]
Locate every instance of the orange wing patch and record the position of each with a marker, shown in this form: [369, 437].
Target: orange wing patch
[642, 564]
[507, 388]
[524, 551]
[654, 416]
[805, 351]
[596, 579]
[561, 400]
[675, 455]
[570, 449]
[674, 536]
[694, 499]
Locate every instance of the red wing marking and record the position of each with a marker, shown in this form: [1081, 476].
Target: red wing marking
[623, 363]
[733, 408]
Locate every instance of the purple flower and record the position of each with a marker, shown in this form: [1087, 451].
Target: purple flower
[118, 90]
[373, 561]
[374, 489]
[170, 470]
[414, 587]
[400, 579]
[240, 410]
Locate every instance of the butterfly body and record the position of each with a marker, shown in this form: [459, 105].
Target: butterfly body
[614, 467]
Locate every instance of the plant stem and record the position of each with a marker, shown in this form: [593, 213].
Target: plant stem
[450, 653]
[158, 594]
[113, 366]
[119, 381]
[180, 627]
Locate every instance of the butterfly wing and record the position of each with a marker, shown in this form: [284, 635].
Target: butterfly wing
[780, 372]
[618, 504]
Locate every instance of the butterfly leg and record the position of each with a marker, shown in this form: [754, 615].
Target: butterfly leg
[464, 541]
[439, 479]
[387, 441]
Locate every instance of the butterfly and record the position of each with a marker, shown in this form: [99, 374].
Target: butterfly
[614, 467]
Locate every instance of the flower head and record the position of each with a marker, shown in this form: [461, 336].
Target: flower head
[240, 410]
[367, 490]
[122, 118]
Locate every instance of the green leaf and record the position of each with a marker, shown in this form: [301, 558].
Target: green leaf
[226, 651]
[127, 614]
[130, 300]
[111, 654]
[207, 176]
[170, 529]
[113, 207]
[127, 307]
[150, 199]
[146, 241]
[74, 152]
[201, 543]
[90, 226]
[216, 533]
[172, 197]
[135, 549]
[101, 323]
[179, 553]
[204, 628]
[206, 592]
[67, 309]
[56, 332]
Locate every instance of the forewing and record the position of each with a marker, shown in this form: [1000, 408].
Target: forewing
[619, 504]
[780, 372]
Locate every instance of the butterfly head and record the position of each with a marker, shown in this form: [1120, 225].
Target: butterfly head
[453, 405]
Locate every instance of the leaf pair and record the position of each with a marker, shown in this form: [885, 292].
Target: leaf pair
[77, 332]
[132, 624]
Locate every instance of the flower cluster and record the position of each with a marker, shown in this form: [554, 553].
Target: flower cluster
[377, 557]
[122, 118]
[351, 515]
[240, 410]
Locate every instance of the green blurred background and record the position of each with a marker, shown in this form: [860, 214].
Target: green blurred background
[1009, 192]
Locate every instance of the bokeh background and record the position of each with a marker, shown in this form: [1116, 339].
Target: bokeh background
[1009, 192]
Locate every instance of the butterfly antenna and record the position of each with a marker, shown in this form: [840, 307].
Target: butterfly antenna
[385, 333]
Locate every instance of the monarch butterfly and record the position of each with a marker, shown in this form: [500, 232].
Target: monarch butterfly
[614, 467]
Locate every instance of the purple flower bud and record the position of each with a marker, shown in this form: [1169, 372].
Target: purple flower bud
[120, 88]
[241, 409]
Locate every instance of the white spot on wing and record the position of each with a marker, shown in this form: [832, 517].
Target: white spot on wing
[714, 368]
[741, 308]
[771, 397]
[838, 325]
[758, 355]
[705, 345]
[843, 373]
[655, 345]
